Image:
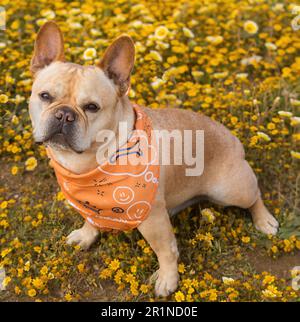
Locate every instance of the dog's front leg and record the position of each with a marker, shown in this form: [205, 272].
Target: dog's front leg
[158, 232]
[84, 237]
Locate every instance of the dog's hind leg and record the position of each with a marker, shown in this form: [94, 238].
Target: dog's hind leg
[239, 188]
[262, 219]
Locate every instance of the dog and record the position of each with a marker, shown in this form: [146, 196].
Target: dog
[70, 104]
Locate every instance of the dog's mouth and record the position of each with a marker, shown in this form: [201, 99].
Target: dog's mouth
[58, 140]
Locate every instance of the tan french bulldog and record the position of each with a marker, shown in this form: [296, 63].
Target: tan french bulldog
[92, 98]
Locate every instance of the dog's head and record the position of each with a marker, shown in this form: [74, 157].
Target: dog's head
[70, 103]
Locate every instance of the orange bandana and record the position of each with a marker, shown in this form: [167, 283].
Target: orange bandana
[117, 195]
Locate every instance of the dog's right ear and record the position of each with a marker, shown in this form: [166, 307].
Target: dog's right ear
[48, 47]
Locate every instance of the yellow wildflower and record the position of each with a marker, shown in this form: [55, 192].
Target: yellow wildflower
[89, 53]
[161, 32]
[3, 99]
[14, 170]
[31, 163]
[114, 265]
[250, 27]
[179, 296]
[31, 292]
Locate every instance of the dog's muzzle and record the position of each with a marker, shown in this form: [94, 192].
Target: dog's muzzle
[61, 127]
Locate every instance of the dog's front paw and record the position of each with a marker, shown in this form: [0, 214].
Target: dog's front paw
[81, 238]
[165, 282]
[267, 224]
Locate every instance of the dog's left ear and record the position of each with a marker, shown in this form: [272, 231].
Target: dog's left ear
[118, 62]
[48, 47]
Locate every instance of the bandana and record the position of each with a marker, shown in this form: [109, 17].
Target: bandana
[118, 194]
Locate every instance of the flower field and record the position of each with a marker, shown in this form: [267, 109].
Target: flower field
[235, 61]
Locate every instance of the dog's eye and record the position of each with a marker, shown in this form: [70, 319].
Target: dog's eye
[91, 107]
[45, 96]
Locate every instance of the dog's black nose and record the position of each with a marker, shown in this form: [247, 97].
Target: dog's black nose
[65, 115]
